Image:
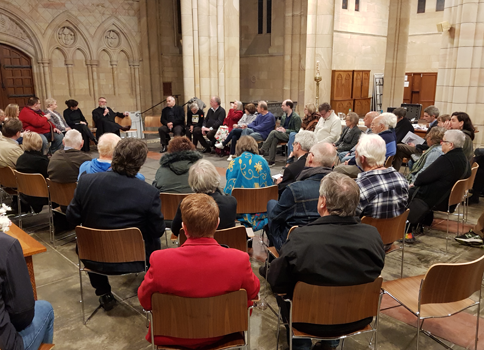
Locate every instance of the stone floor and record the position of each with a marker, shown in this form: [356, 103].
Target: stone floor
[124, 326]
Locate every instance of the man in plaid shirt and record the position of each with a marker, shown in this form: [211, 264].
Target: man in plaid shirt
[383, 191]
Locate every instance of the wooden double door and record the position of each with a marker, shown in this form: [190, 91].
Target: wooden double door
[420, 88]
[16, 78]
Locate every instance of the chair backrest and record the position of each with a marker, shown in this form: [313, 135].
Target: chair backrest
[326, 305]
[32, 184]
[60, 193]
[458, 192]
[470, 180]
[170, 203]
[126, 121]
[234, 237]
[254, 200]
[446, 283]
[192, 318]
[7, 178]
[389, 161]
[152, 122]
[390, 230]
[110, 246]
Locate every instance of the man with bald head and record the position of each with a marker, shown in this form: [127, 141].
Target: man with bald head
[172, 120]
[298, 204]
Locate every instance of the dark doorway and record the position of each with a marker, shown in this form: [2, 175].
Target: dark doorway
[16, 78]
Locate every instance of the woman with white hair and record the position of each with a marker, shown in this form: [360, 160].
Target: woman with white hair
[203, 177]
[58, 120]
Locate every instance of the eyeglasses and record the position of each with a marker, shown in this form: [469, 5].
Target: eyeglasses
[443, 141]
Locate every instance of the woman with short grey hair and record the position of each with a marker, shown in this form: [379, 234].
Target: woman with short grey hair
[203, 177]
[58, 120]
[195, 116]
[349, 136]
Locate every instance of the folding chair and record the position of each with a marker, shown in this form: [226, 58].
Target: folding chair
[389, 161]
[442, 292]
[234, 237]
[152, 122]
[169, 206]
[324, 305]
[111, 247]
[469, 185]
[126, 121]
[61, 194]
[8, 183]
[391, 230]
[225, 315]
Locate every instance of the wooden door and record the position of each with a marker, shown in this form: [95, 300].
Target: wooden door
[341, 85]
[420, 89]
[357, 82]
[16, 78]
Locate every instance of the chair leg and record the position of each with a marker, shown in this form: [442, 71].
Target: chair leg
[19, 211]
[51, 224]
[418, 330]
[166, 237]
[278, 328]
[82, 294]
[447, 235]
[478, 315]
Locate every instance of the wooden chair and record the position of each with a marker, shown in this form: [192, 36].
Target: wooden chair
[152, 122]
[61, 194]
[254, 200]
[169, 206]
[324, 305]
[46, 346]
[469, 185]
[8, 182]
[111, 247]
[234, 237]
[225, 315]
[442, 292]
[389, 161]
[126, 121]
[273, 251]
[391, 230]
[33, 185]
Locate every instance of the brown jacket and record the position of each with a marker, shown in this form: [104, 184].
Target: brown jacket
[9, 152]
[64, 165]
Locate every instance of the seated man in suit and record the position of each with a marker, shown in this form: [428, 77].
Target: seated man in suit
[24, 322]
[298, 204]
[172, 120]
[303, 142]
[105, 119]
[200, 268]
[117, 199]
[334, 250]
[10, 150]
[64, 164]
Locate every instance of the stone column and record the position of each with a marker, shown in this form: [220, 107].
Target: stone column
[95, 80]
[460, 79]
[46, 77]
[70, 77]
[396, 53]
[319, 47]
[210, 37]
[137, 85]
[114, 67]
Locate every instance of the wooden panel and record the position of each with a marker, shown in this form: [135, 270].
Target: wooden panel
[342, 106]
[341, 84]
[428, 85]
[170, 203]
[362, 106]
[365, 84]
[357, 82]
[416, 83]
[30, 246]
[407, 91]
[254, 200]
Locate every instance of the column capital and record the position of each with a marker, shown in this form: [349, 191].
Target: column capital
[69, 62]
[44, 61]
[114, 63]
[93, 63]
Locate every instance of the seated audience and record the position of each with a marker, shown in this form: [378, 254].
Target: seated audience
[248, 170]
[195, 118]
[114, 200]
[290, 122]
[379, 126]
[203, 177]
[367, 120]
[57, 119]
[172, 175]
[64, 164]
[10, 150]
[303, 142]
[2, 117]
[105, 119]
[383, 191]
[234, 135]
[32, 161]
[214, 118]
[309, 121]
[478, 186]
[328, 128]
[334, 250]
[200, 268]
[235, 114]
[433, 139]
[349, 136]
[403, 124]
[263, 124]
[25, 323]
[105, 147]
[172, 120]
[431, 113]
[462, 121]
[76, 120]
[298, 204]
[12, 111]
[431, 189]
[442, 119]
[33, 119]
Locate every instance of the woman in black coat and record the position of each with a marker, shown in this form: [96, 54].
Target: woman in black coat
[76, 120]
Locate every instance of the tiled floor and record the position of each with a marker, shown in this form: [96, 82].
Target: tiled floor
[124, 326]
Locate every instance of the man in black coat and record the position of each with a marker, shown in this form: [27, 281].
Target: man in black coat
[403, 124]
[172, 120]
[117, 199]
[334, 250]
[104, 118]
[214, 118]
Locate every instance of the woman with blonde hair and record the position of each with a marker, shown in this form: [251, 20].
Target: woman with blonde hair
[12, 111]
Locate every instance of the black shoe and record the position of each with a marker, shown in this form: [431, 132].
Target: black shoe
[107, 301]
[262, 152]
[163, 149]
[271, 164]
[207, 150]
[95, 141]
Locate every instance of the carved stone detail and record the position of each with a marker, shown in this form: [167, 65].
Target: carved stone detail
[112, 39]
[10, 27]
[66, 36]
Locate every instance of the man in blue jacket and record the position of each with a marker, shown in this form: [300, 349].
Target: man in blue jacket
[265, 122]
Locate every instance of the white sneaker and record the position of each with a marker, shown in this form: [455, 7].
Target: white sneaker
[229, 159]
[219, 145]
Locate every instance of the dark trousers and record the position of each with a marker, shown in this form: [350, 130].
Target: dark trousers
[86, 136]
[233, 136]
[101, 283]
[164, 133]
[189, 134]
[198, 137]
